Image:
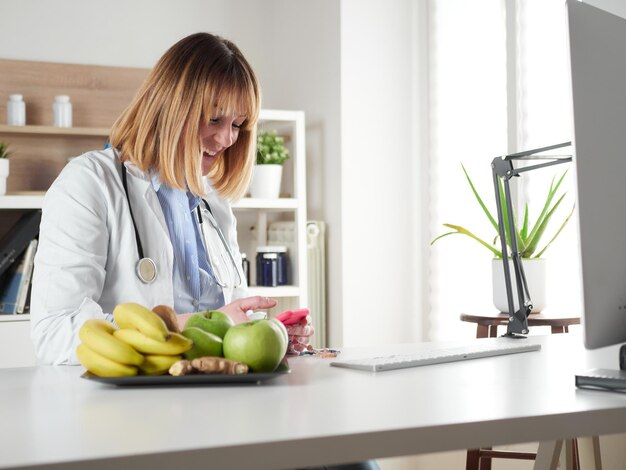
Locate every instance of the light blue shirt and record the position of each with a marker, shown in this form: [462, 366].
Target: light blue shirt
[195, 289]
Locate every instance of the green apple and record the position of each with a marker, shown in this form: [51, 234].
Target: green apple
[212, 321]
[204, 343]
[259, 343]
[283, 330]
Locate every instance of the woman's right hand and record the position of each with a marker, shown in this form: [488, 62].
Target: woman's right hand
[237, 309]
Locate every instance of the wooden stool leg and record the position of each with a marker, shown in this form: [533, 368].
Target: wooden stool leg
[575, 454]
[589, 453]
[473, 459]
[482, 331]
[485, 462]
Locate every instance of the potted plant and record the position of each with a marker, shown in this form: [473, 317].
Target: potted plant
[530, 238]
[4, 167]
[270, 156]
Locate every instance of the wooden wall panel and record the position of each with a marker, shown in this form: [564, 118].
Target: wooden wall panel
[98, 93]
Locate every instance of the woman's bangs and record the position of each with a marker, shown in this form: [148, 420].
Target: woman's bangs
[230, 98]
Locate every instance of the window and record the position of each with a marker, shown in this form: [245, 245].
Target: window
[496, 86]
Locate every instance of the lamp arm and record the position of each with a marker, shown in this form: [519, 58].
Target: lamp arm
[518, 320]
[502, 168]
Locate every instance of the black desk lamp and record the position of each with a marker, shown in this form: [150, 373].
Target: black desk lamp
[502, 168]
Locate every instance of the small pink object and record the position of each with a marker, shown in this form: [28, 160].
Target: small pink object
[291, 317]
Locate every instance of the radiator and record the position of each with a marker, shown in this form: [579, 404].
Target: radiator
[282, 233]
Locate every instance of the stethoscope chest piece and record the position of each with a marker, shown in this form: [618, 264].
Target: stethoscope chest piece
[146, 270]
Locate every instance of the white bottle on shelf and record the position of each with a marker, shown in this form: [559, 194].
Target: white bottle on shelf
[16, 110]
[62, 110]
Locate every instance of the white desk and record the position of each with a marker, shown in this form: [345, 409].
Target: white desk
[317, 414]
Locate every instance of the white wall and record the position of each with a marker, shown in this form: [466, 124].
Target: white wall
[116, 32]
[301, 70]
[379, 169]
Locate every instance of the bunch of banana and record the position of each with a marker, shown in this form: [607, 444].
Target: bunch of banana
[158, 364]
[147, 332]
[103, 354]
[137, 317]
[142, 345]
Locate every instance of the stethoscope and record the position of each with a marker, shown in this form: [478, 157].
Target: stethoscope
[146, 268]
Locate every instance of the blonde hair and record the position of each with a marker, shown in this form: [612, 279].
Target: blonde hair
[160, 128]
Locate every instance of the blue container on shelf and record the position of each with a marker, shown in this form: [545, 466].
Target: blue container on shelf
[272, 266]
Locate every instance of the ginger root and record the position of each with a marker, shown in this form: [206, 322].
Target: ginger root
[218, 365]
[168, 315]
[181, 367]
[207, 365]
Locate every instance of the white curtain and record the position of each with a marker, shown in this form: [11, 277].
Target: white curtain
[496, 87]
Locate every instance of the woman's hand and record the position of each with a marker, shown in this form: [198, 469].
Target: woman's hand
[236, 309]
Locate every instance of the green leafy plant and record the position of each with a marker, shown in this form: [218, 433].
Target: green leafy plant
[528, 237]
[4, 150]
[270, 149]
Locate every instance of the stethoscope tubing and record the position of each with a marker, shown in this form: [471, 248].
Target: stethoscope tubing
[146, 268]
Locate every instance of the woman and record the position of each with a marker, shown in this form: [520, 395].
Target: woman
[133, 222]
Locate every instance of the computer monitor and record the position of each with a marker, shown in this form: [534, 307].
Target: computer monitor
[597, 49]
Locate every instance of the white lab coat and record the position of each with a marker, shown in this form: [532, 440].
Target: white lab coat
[87, 255]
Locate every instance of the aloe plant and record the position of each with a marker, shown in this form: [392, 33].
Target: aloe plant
[528, 237]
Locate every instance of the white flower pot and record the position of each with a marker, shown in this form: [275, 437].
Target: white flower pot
[265, 182]
[4, 174]
[535, 272]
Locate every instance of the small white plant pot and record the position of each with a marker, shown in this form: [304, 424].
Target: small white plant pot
[535, 273]
[4, 174]
[266, 180]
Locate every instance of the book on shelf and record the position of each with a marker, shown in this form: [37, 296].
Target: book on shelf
[16, 280]
[24, 291]
[15, 241]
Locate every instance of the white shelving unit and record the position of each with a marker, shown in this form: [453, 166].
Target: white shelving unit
[250, 212]
[292, 207]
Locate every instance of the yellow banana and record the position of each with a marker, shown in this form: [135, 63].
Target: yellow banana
[99, 365]
[157, 364]
[98, 335]
[136, 317]
[176, 344]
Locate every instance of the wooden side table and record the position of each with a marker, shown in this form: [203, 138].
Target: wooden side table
[487, 325]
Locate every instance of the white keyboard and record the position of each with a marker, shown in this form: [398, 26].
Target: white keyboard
[437, 356]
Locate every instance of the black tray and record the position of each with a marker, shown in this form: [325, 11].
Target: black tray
[193, 379]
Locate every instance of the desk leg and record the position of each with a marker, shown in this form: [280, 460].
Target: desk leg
[548, 455]
[571, 452]
[597, 459]
[558, 329]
